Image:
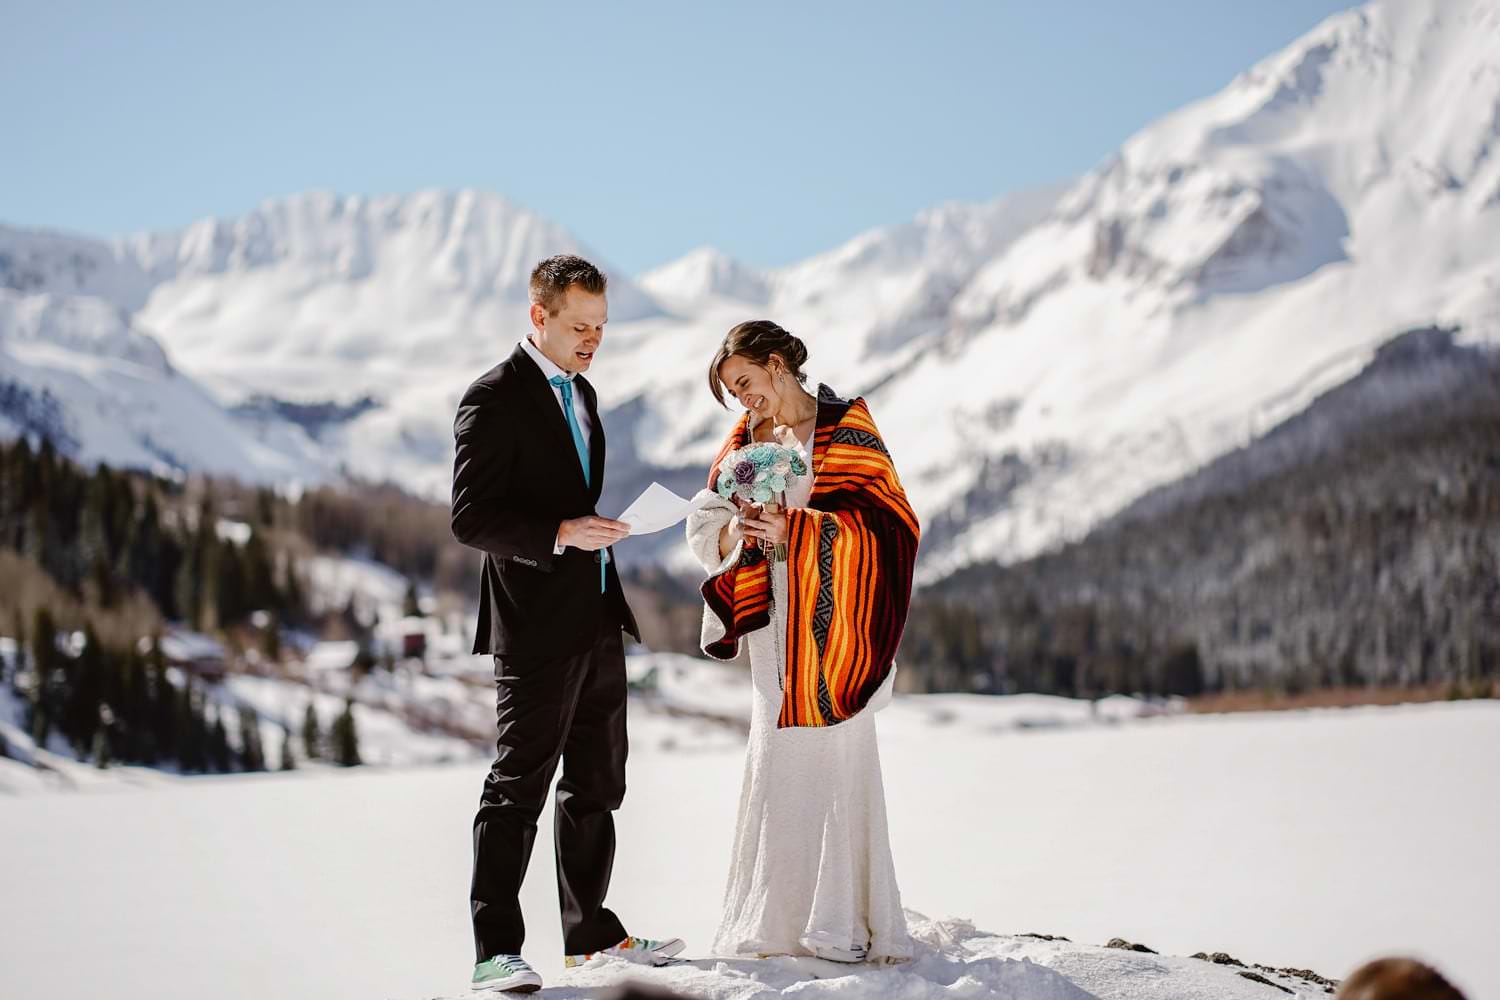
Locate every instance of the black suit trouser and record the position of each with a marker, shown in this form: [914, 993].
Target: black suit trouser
[547, 708]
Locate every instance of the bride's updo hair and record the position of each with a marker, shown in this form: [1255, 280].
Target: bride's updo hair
[757, 340]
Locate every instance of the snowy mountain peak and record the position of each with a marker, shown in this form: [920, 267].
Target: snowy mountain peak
[43, 260]
[1365, 95]
[405, 297]
[463, 240]
[1375, 116]
[706, 273]
[89, 326]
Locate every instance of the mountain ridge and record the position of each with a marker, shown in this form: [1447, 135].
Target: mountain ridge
[1036, 362]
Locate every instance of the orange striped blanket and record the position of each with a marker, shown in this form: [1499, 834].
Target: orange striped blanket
[850, 557]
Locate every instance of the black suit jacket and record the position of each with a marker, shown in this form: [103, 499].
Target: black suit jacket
[516, 477]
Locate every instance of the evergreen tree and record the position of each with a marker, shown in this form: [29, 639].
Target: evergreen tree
[189, 729]
[230, 606]
[173, 554]
[259, 574]
[354, 624]
[44, 657]
[293, 603]
[21, 653]
[163, 706]
[271, 640]
[288, 762]
[1183, 671]
[345, 737]
[40, 721]
[251, 754]
[184, 730]
[93, 549]
[265, 507]
[210, 579]
[219, 753]
[101, 741]
[411, 607]
[83, 679]
[40, 542]
[186, 589]
[364, 658]
[17, 489]
[143, 556]
[135, 709]
[312, 733]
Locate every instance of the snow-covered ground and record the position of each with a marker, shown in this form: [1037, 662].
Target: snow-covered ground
[1311, 839]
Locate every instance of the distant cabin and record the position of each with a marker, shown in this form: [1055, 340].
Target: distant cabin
[411, 632]
[199, 654]
[328, 657]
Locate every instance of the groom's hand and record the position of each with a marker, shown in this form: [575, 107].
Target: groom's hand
[591, 533]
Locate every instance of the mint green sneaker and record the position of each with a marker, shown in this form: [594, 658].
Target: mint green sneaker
[505, 972]
[641, 951]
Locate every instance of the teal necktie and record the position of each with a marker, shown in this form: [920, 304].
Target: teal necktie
[565, 383]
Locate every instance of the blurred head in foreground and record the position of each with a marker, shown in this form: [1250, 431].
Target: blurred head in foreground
[1397, 979]
[642, 991]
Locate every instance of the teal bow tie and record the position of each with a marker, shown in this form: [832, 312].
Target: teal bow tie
[565, 383]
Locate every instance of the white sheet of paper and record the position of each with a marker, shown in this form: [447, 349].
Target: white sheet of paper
[658, 508]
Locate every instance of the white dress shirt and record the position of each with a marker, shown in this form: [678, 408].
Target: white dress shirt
[550, 371]
[580, 408]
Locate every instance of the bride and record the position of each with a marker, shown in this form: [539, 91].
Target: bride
[811, 871]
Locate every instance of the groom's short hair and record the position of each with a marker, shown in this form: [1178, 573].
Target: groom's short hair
[551, 279]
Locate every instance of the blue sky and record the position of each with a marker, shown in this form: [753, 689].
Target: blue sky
[770, 130]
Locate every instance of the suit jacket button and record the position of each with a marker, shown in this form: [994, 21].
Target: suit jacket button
[597, 557]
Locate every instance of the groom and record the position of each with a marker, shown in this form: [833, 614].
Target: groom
[527, 473]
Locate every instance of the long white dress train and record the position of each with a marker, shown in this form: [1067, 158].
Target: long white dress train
[811, 862]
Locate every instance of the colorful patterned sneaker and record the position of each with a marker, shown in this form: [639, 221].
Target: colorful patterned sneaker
[505, 972]
[642, 951]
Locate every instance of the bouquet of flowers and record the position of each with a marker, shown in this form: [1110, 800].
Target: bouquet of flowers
[759, 473]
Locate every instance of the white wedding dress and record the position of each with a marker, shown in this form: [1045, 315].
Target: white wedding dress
[811, 863]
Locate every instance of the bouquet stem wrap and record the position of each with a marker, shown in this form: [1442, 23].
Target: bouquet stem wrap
[778, 550]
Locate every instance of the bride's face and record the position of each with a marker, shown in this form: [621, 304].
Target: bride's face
[752, 385]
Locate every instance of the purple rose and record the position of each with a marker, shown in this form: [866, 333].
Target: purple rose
[744, 473]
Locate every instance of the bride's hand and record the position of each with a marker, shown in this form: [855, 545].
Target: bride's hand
[765, 526]
[729, 535]
[732, 532]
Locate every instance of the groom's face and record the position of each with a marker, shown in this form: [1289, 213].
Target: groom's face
[570, 338]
